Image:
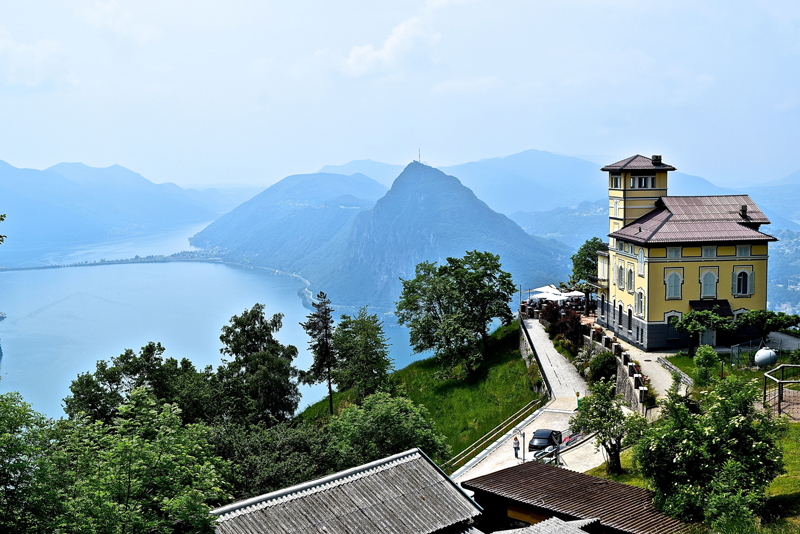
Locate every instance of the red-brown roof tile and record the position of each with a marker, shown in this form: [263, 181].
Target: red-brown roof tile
[697, 219]
[637, 163]
[567, 493]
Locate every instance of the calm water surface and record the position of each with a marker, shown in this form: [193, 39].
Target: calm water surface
[61, 321]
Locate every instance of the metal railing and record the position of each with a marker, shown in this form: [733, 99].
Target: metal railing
[487, 439]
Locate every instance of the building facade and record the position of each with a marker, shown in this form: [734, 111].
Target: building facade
[669, 255]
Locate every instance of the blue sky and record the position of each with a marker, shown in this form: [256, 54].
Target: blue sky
[242, 92]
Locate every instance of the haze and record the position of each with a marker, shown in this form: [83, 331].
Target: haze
[248, 92]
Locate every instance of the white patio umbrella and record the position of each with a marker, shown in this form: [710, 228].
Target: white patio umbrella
[548, 289]
[556, 298]
[541, 295]
[574, 294]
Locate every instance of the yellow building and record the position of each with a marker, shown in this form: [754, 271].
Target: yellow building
[669, 255]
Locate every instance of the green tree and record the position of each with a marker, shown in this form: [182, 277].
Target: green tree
[25, 438]
[686, 457]
[767, 321]
[320, 329]
[584, 263]
[603, 366]
[450, 307]
[265, 459]
[696, 322]
[384, 425]
[258, 383]
[100, 394]
[601, 412]
[363, 354]
[146, 472]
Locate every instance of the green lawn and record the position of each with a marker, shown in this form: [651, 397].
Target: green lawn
[630, 476]
[686, 364]
[461, 410]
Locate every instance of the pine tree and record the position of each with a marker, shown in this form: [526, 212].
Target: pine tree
[319, 327]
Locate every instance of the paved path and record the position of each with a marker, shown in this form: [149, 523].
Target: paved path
[565, 382]
[561, 374]
[660, 378]
[581, 457]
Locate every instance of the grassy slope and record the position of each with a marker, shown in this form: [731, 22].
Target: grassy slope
[461, 410]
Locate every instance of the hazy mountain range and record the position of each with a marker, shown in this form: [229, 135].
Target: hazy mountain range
[357, 249]
[357, 228]
[73, 204]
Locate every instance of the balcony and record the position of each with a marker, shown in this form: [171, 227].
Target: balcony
[599, 283]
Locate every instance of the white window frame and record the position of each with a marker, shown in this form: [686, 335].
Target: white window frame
[616, 208]
[673, 252]
[640, 262]
[616, 181]
[631, 279]
[670, 274]
[621, 276]
[710, 252]
[743, 251]
[704, 273]
[751, 281]
[639, 301]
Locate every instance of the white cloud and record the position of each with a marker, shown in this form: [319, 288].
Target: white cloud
[404, 36]
[30, 65]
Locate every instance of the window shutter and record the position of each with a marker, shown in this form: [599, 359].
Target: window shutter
[734, 282]
[751, 279]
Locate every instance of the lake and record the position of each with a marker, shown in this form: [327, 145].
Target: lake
[61, 321]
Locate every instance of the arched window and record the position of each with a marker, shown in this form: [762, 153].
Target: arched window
[673, 285]
[630, 319]
[621, 277]
[640, 261]
[630, 280]
[709, 285]
[602, 305]
[742, 283]
[639, 303]
[620, 314]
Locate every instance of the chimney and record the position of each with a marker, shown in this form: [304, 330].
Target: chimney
[743, 211]
[656, 159]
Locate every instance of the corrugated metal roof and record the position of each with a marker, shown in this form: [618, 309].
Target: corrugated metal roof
[567, 493]
[637, 163]
[403, 494]
[697, 219]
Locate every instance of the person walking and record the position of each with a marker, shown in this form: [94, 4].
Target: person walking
[516, 447]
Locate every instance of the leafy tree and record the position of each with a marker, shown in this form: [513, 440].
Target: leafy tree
[146, 472]
[768, 321]
[584, 263]
[384, 425]
[569, 326]
[697, 322]
[686, 457]
[24, 443]
[601, 412]
[257, 383]
[319, 327]
[363, 353]
[100, 394]
[551, 313]
[449, 308]
[265, 459]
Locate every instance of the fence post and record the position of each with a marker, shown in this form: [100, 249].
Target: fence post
[764, 402]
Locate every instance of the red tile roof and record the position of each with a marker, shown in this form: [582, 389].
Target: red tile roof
[558, 491]
[697, 219]
[637, 163]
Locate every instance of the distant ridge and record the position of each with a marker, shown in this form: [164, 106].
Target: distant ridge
[358, 256]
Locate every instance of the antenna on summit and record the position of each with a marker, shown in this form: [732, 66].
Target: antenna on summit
[419, 156]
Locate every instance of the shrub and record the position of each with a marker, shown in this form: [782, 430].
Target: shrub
[570, 327]
[794, 357]
[550, 313]
[705, 360]
[583, 358]
[603, 367]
